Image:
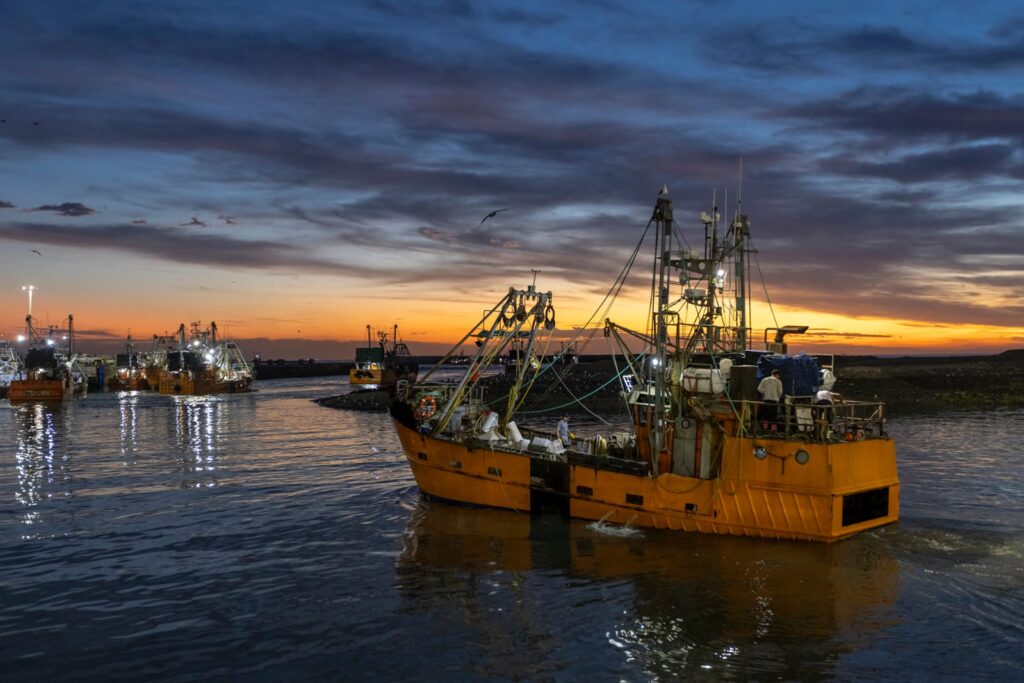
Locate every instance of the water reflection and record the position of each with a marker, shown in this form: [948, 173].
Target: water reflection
[677, 603]
[198, 424]
[38, 464]
[128, 404]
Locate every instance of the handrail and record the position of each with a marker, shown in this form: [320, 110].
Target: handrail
[801, 417]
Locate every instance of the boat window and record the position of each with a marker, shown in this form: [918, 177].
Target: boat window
[633, 499]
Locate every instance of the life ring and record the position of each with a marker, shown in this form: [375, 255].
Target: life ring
[860, 435]
[428, 406]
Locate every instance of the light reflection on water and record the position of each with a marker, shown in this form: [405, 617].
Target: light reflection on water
[37, 462]
[261, 535]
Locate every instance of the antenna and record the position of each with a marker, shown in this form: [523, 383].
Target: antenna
[739, 198]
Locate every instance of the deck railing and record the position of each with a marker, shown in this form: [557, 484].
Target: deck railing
[800, 415]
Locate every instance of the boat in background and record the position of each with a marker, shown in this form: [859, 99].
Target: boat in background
[202, 365]
[51, 371]
[10, 367]
[381, 365]
[703, 453]
[129, 370]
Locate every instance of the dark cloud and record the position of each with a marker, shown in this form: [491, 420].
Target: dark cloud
[170, 244]
[798, 46]
[816, 334]
[6, 205]
[903, 117]
[526, 18]
[67, 209]
[970, 162]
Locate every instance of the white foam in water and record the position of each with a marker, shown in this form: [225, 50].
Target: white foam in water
[624, 531]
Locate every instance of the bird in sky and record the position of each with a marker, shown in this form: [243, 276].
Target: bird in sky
[195, 221]
[36, 251]
[492, 214]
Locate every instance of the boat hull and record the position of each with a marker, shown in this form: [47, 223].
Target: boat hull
[843, 488]
[29, 390]
[136, 383]
[381, 377]
[182, 384]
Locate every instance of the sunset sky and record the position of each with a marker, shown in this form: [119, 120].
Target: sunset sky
[297, 170]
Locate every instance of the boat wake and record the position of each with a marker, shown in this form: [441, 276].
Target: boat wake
[624, 531]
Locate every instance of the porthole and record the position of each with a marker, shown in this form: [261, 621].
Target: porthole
[760, 452]
[802, 456]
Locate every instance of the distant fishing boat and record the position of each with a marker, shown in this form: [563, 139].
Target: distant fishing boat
[383, 365]
[51, 371]
[703, 452]
[10, 367]
[203, 365]
[129, 370]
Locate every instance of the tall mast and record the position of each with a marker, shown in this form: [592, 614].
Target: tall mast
[663, 216]
[741, 231]
[713, 256]
[741, 234]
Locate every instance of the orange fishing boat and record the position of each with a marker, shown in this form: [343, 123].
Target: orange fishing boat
[703, 452]
[129, 370]
[51, 373]
[203, 365]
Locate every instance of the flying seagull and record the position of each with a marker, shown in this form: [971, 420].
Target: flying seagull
[36, 251]
[492, 214]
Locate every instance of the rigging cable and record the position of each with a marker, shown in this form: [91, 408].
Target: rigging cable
[764, 285]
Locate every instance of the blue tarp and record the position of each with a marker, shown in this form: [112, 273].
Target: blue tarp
[801, 375]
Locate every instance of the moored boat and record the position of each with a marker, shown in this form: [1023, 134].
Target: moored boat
[383, 365]
[129, 370]
[703, 452]
[10, 366]
[203, 365]
[51, 372]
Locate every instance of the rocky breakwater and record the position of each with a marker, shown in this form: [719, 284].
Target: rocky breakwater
[926, 384]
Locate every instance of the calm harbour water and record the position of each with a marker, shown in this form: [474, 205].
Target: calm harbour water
[262, 536]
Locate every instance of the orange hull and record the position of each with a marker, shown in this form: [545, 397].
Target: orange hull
[37, 390]
[137, 383]
[181, 384]
[820, 501]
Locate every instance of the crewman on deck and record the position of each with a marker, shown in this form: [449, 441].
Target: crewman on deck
[563, 431]
[770, 389]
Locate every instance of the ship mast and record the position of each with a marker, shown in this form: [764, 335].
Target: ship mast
[663, 217]
[741, 233]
